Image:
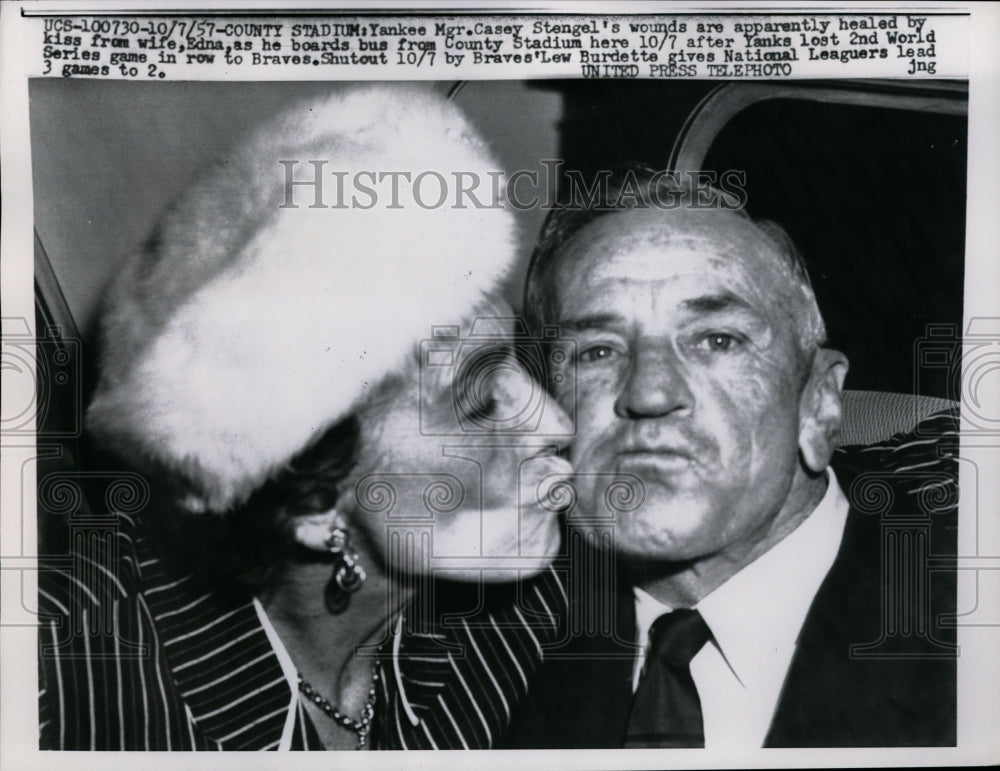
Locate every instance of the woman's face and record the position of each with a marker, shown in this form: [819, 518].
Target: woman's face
[457, 459]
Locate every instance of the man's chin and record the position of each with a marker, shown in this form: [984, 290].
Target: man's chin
[660, 551]
[649, 537]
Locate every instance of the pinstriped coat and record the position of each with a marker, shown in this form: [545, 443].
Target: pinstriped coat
[136, 657]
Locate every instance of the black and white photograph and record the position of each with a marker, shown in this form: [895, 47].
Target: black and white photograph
[634, 420]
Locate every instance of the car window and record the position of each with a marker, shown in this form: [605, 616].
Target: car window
[875, 200]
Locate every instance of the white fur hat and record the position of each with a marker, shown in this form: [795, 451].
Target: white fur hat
[244, 329]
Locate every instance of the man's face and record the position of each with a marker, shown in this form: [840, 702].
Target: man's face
[480, 493]
[689, 376]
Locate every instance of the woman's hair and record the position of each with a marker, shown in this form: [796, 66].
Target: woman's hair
[242, 549]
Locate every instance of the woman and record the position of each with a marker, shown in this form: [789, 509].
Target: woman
[316, 462]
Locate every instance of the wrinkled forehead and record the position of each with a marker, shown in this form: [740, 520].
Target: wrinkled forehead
[652, 244]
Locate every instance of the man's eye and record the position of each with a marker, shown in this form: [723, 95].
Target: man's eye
[595, 353]
[720, 341]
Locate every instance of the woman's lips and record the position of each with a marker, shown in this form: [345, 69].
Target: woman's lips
[547, 465]
[542, 479]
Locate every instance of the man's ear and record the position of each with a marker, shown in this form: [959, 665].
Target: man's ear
[820, 410]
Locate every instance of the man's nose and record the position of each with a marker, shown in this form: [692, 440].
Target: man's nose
[656, 384]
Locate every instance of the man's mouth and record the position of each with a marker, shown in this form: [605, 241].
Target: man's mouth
[664, 458]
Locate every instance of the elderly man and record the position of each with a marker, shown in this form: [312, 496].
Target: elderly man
[741, 575]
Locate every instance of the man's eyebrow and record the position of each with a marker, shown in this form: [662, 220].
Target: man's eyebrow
[723, 301]
[590, 321]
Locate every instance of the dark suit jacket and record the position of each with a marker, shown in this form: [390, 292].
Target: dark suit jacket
[899, 691]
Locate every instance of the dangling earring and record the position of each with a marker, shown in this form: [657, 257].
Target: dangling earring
[348, 575]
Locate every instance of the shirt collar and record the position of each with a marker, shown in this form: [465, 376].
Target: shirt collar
[756, 615]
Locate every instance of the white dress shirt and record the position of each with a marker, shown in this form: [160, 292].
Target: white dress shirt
[755, 618]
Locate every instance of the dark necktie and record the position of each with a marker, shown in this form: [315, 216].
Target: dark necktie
[666, 710]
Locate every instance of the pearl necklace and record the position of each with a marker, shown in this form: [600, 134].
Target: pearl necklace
[362, 725]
